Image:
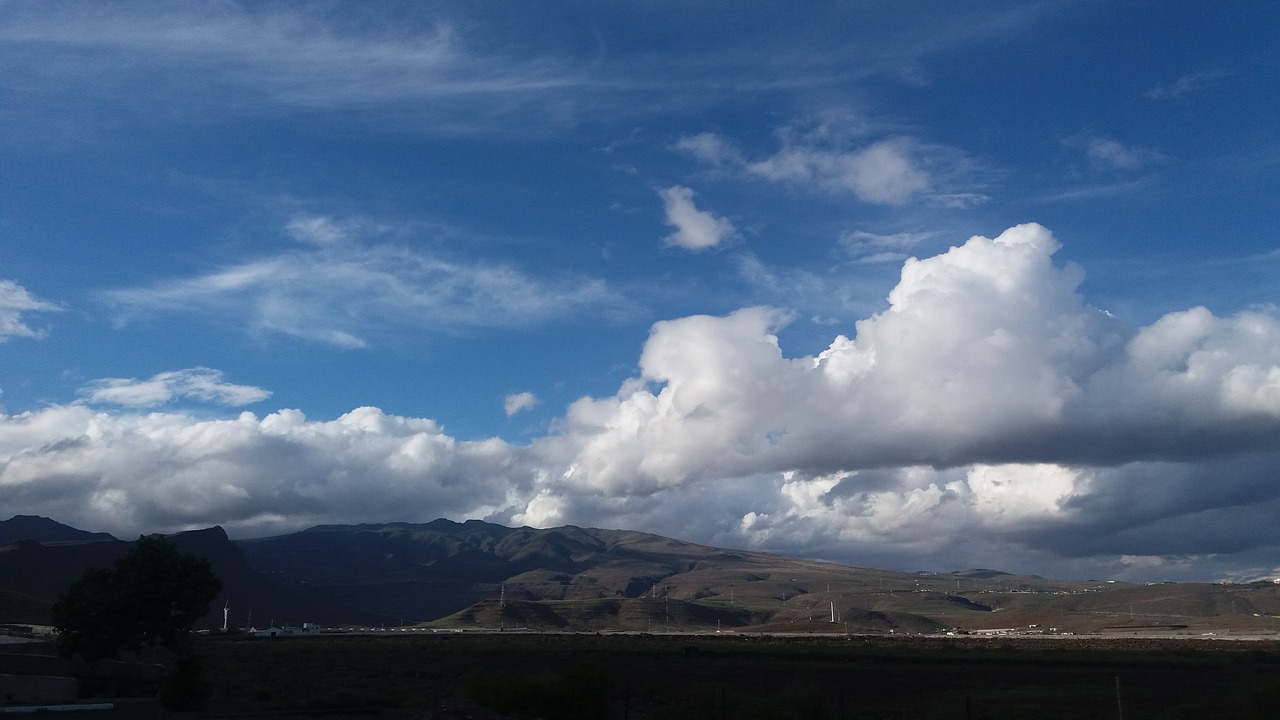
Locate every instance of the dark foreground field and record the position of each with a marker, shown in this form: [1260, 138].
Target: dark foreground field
[723, 677]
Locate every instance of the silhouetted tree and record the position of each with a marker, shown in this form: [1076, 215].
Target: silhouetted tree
[151, 597]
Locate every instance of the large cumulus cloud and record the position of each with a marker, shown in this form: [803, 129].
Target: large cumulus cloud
[989, 401]
[986, 354]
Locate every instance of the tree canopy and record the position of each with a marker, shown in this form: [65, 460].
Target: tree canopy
[152, 596]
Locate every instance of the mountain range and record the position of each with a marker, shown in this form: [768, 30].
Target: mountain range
[479, 575]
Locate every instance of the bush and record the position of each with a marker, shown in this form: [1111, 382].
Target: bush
[184, 688]
[581, 693]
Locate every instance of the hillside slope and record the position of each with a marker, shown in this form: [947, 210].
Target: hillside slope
[430, 571]
[477, 575]
[34, 574]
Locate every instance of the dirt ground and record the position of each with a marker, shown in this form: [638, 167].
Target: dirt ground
[638, 677]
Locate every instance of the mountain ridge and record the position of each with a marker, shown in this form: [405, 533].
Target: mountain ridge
[34, 573]
[43, 529]
[479, 575]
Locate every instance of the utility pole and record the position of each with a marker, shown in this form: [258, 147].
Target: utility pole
[1119, 706]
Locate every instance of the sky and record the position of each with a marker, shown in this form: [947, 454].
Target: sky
[912, 285]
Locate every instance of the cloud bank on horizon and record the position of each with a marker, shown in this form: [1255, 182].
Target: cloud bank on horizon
[988, 402]
[771, 287]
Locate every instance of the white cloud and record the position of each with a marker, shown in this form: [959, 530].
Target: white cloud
[987, 362]
[711, 148]
[986, 352]
[517, 402]
[165, 471]
[962, 200]
[862, 245]
[987, 338]
[695, 229]
[1106, 190]
[867, 248]
[343, 290]
[319, 230]
[202, 384]
[15, 303]
[883, 173]
[1186, 84]
[1111, 154]
[840, 155]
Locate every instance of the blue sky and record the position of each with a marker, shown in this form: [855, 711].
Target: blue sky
[910, 284]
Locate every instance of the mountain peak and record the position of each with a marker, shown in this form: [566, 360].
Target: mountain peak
[43, 529]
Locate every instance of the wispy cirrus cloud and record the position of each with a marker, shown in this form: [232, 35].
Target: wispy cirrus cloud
[200, 384]
[1110, 154]
[16, 302]
[220, 60]
[844, 154]
[343, 289]
[296, 58]
[1101, 190]
[886, 172]
[868, 247]
[438, 68]
[1187, 84]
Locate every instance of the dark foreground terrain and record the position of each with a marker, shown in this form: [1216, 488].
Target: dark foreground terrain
[552, 676]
